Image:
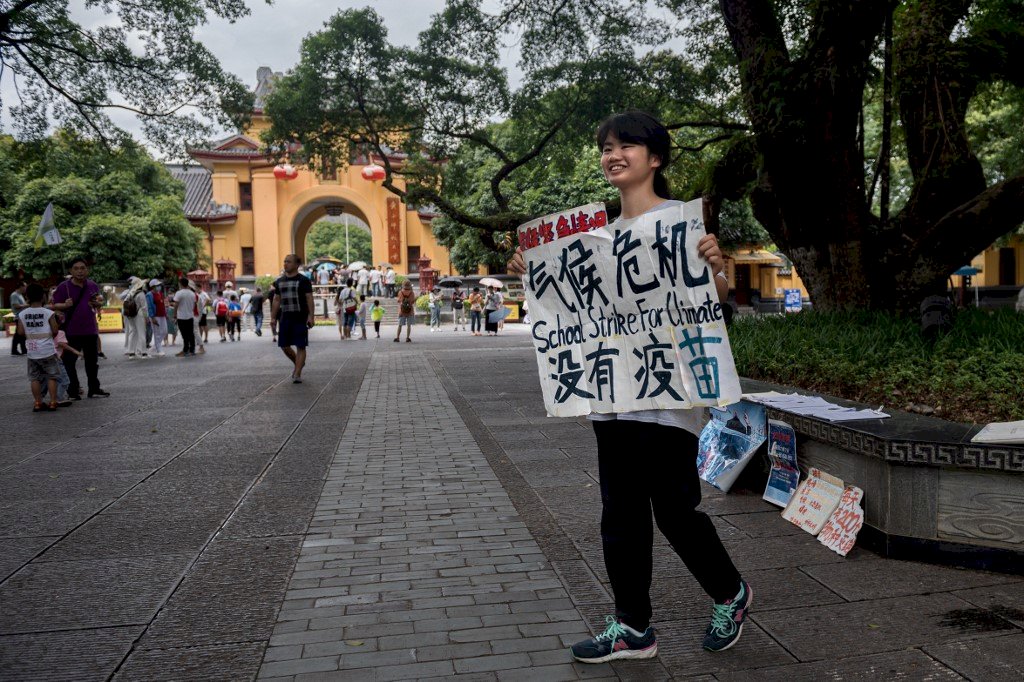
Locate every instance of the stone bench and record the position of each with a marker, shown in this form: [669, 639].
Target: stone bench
[930, 494]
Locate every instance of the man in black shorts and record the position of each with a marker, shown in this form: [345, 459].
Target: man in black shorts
[293, 312]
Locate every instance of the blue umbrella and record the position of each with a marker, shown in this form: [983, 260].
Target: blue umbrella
[967, 271]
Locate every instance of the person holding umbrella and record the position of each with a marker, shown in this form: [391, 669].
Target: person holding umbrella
[493, 303]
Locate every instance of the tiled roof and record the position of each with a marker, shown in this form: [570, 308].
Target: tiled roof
[198, 192]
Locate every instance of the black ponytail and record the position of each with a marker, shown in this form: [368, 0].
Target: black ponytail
[639, 127]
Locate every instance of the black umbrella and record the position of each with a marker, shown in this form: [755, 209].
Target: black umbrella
[450, 282]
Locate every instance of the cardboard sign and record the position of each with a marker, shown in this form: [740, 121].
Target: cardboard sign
[814, 501]
[625, 316]
[784, 476]
[728, 442]
[840, 531]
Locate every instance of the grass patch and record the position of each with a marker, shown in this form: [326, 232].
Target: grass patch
[973, 374]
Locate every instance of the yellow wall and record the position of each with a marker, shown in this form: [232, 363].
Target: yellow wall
[988, 262]
[284, 210]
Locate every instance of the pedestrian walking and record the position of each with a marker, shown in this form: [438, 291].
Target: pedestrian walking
[458, 308]
[377, 314]
[234, 318]
[634, 147]
[158, 316]
[362, 278]
[375, 278]
[38, 325]
[406, 311]
[364, 308]
[245, 300]
[492, 303]
[271, 295]
[172, 323]
[345, 307]
[220, 312]
[436, 301]
[136, 312]
[79, 298]
[476, 310]
[256, 310]
[293, 312]
[18, 303]
[204, 304]
[185, 309]
[389, 282]
[60, 344]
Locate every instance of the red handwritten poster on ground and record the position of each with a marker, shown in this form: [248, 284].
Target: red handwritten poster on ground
[840, 531]
[814, 501]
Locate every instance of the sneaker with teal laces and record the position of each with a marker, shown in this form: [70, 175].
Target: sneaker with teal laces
[727, 620]
[617, 641]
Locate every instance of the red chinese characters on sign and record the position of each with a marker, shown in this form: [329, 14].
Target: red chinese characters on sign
[394, 231]
[814, 501]
[558, 225]
[840, 531]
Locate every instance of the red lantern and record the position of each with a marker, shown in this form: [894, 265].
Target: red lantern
[285, 171]
[373, 172]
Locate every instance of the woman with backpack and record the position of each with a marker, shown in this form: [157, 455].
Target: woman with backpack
[345, 307]
[406, 311]
[663, 476]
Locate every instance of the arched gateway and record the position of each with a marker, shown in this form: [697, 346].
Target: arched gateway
[253, 220]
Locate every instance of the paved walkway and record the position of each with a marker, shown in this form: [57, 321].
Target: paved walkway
[407, 512]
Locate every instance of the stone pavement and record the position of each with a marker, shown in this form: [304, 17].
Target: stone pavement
[407, 512]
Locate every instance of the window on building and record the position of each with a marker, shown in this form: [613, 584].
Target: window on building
[248, 260]
[413, 254]
[245, 196]
[497, 270]
[1007, 267]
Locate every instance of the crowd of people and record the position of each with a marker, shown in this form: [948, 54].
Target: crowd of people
[378, 281]
[57, 327]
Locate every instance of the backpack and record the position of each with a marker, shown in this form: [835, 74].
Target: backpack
[222, 308]
[131, 309]
[405, 307]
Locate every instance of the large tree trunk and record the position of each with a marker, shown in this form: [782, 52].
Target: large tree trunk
[805, 117]
[810, 194]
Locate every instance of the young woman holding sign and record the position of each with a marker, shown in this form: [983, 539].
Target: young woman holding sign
[633, 147]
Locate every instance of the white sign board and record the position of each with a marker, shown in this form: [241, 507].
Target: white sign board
[625, 317]
[814, 501]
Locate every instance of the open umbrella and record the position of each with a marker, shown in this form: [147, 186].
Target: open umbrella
[358, 265]
[970, 271]
[491, 282]
[383, 265]
[450, 282]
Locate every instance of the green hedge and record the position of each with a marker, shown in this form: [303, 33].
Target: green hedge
[972, 374]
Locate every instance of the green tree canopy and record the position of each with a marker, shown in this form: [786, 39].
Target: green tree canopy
[115, 206]
[792, 112]
[143, 60]
[327, 238]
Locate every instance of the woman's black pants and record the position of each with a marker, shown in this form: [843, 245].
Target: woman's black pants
[645, 467]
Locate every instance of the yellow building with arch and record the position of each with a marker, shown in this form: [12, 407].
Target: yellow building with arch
[253, 219]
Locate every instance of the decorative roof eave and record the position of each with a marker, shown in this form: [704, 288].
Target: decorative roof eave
[250, 144]
[200, 220]
[208, 157]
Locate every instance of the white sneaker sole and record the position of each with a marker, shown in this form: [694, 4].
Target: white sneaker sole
[649, 652]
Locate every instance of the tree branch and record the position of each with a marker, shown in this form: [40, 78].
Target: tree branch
[725, 125]
[967, 230]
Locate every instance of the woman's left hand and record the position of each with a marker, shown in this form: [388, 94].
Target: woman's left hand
[709, 250]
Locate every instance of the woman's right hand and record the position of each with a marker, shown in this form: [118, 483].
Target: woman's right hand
[517, 266]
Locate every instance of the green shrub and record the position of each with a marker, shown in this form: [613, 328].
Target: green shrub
[973, 373]
[423, 303]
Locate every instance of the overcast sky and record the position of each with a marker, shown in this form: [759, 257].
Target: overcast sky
[270, 36]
